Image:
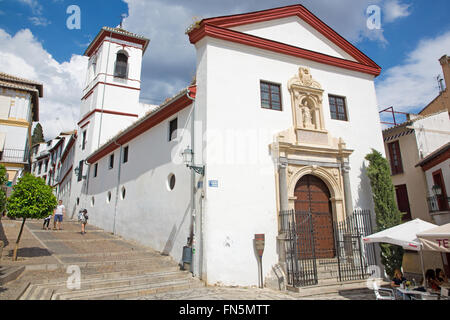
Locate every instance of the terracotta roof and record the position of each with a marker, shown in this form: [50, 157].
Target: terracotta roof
[434, 154]
[127, 133]
[409, 122]
[35, 88]
[22, 82]
[118, 33]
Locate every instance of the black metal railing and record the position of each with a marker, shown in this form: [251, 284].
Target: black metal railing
[301, 266]
[14, 155]
[438, 203]
[353, 256]
[349, 259]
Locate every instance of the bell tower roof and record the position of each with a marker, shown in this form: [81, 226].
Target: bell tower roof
[119, 34]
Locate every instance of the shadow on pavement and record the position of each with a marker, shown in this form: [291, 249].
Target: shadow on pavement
[358, 294]
[30, 252]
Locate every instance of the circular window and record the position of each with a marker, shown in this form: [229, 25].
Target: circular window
[108, 197]
[123, 193]
[171, 181]
[92, 201]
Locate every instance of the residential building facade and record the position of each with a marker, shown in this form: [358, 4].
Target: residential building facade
[19, 107]
[436, 167]
[407, 144]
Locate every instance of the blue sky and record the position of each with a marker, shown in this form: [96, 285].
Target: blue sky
[37, 44]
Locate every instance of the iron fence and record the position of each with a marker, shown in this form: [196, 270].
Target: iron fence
[438, 203]
[14, 155]
[349, 259]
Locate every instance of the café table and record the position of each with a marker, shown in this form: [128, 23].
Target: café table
[409, 292]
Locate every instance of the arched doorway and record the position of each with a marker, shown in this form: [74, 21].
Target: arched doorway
[314, 218]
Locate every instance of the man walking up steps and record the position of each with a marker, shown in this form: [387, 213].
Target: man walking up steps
[59, 214]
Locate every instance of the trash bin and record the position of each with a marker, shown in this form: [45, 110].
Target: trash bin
[187, 258]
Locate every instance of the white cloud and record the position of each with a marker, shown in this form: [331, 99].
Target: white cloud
[411, 86]
[171, 57]
[39, 21]
[24, 56]
[394, 10]
[35, 6]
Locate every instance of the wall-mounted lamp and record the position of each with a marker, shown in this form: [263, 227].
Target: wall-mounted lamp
[437, 190]
[188, 156]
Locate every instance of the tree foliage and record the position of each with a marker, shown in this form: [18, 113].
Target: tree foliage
[3, 180]
[386, 210]
[38, 135]
[31, 199]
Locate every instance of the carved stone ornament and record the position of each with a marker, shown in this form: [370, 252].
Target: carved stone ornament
[306, 99]
[305, 79]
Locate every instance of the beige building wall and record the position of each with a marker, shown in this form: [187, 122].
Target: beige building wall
[413, 177]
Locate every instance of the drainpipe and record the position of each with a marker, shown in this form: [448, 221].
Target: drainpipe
[197, 246]
[118, 185]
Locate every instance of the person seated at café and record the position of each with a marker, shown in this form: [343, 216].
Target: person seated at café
[441, 277]
[430, 277]
[398, 279]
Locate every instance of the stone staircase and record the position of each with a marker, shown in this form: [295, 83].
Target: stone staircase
[114, 279]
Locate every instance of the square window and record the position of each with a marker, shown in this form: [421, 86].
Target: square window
[270, 96]
[338, 109]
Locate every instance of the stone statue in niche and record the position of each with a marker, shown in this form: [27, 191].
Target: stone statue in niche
[308, 121]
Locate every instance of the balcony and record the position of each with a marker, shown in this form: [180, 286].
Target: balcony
[439, 208]
[14, 156]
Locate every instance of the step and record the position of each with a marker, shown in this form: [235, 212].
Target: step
[10, 273]
[129, 291]
[328, 288]
[45, 291]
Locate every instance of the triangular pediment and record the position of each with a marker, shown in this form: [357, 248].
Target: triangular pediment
[291, 30]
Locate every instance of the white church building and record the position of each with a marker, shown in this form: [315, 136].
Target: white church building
[280, 117]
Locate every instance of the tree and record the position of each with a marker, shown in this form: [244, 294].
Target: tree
[3, 180]
[387, 213]
[38, 135]
[31, 199]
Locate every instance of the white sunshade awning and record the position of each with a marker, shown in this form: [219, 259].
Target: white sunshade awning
[404, 235]
[436, 239]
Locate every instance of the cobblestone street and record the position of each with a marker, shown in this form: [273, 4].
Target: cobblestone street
[114, 268]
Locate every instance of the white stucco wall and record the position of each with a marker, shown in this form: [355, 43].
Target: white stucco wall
[295, 32]
[150, 213]
[238, 133]
[432, 132]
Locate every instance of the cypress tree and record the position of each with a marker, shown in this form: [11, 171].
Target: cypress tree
[38, 135]
[386, 210]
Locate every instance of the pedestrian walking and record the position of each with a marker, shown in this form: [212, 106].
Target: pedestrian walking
[47, 222]
[59, 213]
[83, 218]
